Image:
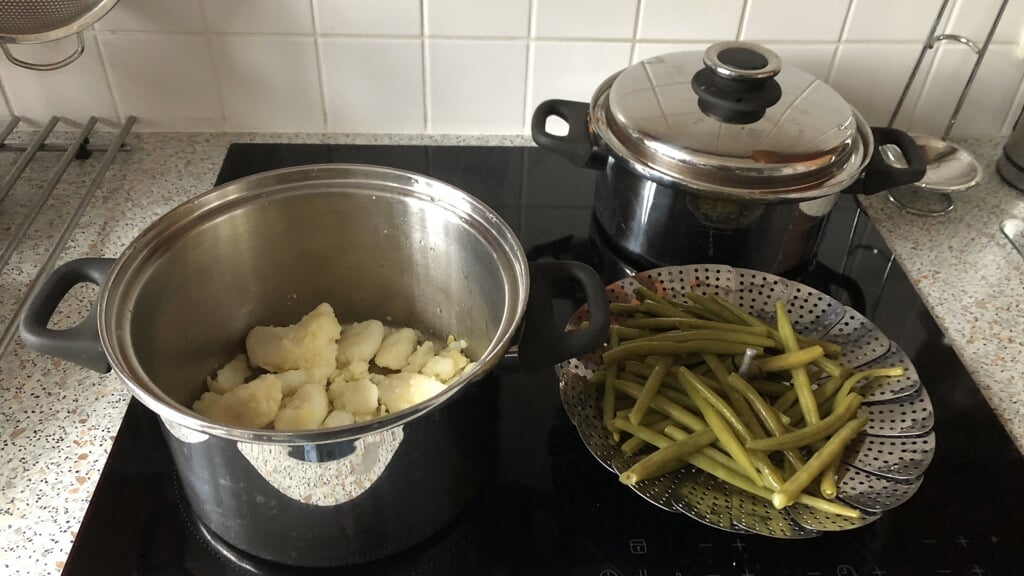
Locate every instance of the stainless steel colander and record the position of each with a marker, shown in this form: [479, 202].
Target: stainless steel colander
[880, 469]
[36, 21]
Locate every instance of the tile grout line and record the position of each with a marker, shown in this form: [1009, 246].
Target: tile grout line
[425, 65]
[213, 63]
[531, 50]
[566, 39]
[108, 81]
[636, 31]
[319, 65]
[834, 62]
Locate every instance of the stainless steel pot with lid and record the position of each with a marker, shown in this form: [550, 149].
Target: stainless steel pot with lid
[729, 142]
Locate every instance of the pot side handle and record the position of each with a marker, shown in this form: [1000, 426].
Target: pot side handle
[880, 175]
[81, 343]
[543, 341]
[577, 146]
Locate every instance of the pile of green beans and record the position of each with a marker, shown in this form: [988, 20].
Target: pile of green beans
[673, 392]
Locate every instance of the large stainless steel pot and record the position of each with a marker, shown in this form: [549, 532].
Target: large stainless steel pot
[375, 243]
[724, 156]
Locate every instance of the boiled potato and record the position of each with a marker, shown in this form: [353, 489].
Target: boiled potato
[357, 397]
[399, 391]
[424, 352]
[292, 380]
[252, 405]
[360, 342]
[338, 418]
[448, 363]
[395, 349]
[305, 410]
[231, 376]
[307, 344]
[322, 376]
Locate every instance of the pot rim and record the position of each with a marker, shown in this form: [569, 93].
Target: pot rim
[116, 296]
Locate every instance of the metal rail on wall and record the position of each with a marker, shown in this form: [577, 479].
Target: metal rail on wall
[931, 41]
[78, 149]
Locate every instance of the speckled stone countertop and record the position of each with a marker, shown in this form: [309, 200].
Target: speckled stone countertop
[57, 421]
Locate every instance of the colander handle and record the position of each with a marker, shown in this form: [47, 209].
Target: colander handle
[48, 66]
[81, 343]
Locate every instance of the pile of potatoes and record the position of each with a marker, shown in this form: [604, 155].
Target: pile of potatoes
[317, 374]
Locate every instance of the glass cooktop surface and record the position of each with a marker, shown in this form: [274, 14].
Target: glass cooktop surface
[549, 507]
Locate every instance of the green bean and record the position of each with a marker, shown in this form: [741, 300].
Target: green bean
[714, 307]
[812, 432]
[650, 436]
[770, 388]
[717, 335]
[636, 443]
[650, 389]
[695, 385]
[632, 333]
[667, 407]
[801, 382]
[828, 366]
[695, 311]
[827, 483]
[788, 360]
[766, 413]
[634, 349]
[621, 309]
[852, 381]
[821, 394]
[769, 474]
[711, 452]
[830, 348]
[832, 450]
[666, 459]
[644, 293]
[716, 422]
[688, 324]
[736, 400]
[662, 310]
[608, 406]
[726, 474]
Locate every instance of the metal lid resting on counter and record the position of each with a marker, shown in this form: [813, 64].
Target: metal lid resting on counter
[732, 119]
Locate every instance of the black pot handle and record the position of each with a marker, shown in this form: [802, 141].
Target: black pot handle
[881, 175]
[577, 147]
[543, 341]
[81, 343]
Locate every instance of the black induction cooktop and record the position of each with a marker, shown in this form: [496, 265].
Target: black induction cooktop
[549, 507]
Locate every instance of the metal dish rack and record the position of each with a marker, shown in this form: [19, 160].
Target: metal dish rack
[78, 148]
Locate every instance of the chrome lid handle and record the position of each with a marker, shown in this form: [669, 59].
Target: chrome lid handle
[741, 60]
[737, 84]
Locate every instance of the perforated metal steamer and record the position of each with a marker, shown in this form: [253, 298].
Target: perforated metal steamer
[36, 21]
[882, 467]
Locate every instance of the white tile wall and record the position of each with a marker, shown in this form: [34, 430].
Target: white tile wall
[477, 17]
[481, 66]
[476, 86]
[373, 85]
[383, 17]
[268, 83]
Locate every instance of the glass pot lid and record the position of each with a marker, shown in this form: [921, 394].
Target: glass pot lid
[732, 119]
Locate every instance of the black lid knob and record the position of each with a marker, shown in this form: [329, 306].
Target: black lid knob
[737, 84]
